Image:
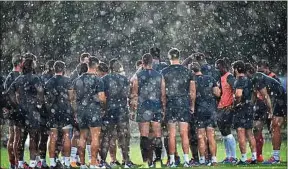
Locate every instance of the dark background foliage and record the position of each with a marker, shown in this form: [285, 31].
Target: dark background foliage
[126, 30]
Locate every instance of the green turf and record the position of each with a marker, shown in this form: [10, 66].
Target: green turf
[136, 156]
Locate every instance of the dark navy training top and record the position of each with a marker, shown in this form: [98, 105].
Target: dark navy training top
[244, 83]
[205, 100]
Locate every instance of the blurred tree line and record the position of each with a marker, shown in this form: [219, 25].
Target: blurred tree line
[126, 30]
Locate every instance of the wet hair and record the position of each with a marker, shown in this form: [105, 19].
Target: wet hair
[138, 63]
[223, 63]
[198, 56]
[249, 68]
[155, 52]
[83, 68]
[28, 66]
[93, 62]
[116, 66]
[147, 59]
[83, 56]
[263, 63]
[17, 60]
[239, 65]
[49, 65]
[103, 67]
[30, 56]
[59, 66]
[173, 53]
[195, 66]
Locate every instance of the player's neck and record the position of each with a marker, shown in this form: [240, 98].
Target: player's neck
[198, 73]
[17, 69]
[91, 71]
[155, 61]
[175, 62]
[59, 74]
[147, 67]
[240, 75]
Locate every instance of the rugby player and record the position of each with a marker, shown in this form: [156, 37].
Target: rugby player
[80, 69]
[14, 131]
[181, 94]
[243, 112]
[27, 93]
[60, 116]
[89, 95]
[225, 114]
[116, 118]
[148, 99]
[205, 112]
[44, 129]
[271, 89]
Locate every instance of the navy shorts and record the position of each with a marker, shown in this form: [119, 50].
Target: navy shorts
[205, 122]
[280, 108]
[261, 111]
[243, 117]
[116, 115]
[224, 118]
[149, 111]
[88, 117]
[178, 110]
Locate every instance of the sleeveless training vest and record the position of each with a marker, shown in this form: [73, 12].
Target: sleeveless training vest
[227, 92]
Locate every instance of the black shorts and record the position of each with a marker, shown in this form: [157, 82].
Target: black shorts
[205, 122]
[89, 118]
[261, 111]
[280, 108]
[243, 117]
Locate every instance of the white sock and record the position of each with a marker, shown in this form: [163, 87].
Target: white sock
[202, 160]
[73, 154]
[67, 161]
[20, 164]
[214, 159]
[77, 158]
[244, 157]
[276, 154]
[52, 162]
[43, 162]
[37, 159]
[88, 149]
[172, 158]
[32, 163]
[186, 158]
[254, 156]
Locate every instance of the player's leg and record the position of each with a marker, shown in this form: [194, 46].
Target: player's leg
[82, 144]
[241, 133]
[210, 132]
[157, 142]
[74, 146]
[33, 135]
[42, 146]
[172, 142]
[95, 144]
[201, 135]
[53, 135]
[193, 142]
[257, 131]
[88, 147]
[19, 144]
[184, 130]
[66, 145]
[123, 132]
[145, 145]
[10, 143]
[113, 151]
[106, 134]
[252, 143]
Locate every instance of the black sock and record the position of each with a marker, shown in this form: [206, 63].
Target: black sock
[158, 148]
[166, 141]
[144, 146]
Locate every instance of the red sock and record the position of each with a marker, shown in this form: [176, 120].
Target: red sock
[259, 144]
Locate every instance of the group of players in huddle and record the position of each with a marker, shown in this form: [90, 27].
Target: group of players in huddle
[98, 101]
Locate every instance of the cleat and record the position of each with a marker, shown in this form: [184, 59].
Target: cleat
[260, 159]
[172, 165]
[241, 163]
[83, 167]
[194, 163]
[186, 165]
[129, 165]
[226, 161]
[74, 165]
[271, 161]
[12, 167]
[208, 162]
[177, 160]
[253, 162]
[233, 160]
[214, 164]
[115, 164]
